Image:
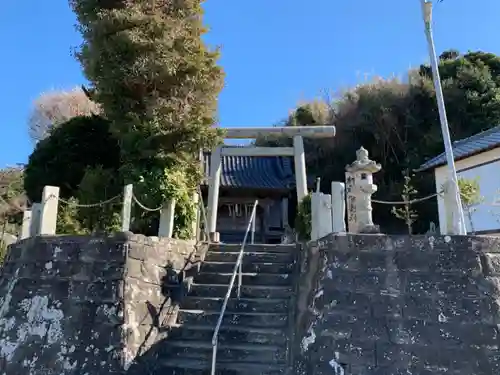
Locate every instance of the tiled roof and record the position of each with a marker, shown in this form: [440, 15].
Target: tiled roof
[475, 144]
[264, 172]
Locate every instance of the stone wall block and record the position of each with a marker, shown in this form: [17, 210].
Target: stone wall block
[491, 262]
[97, 291]
[108, 271]
[346, 302]
[139, 291]
[392, 357]
[103, 250]
[353, 281]
[149, 314]
[387, 306]
[146, 271]
[357, 260]
[43, 269]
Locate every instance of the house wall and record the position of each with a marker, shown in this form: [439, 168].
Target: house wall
[486, 167]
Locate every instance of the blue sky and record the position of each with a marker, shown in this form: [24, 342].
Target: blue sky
[275, 53]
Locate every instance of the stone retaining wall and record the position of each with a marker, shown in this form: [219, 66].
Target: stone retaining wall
[87, 305]
[388, 305]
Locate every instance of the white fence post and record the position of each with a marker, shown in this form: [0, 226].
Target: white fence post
[338, 207]
[166, 227]
[196, 221]
[26, 226]
[127, 207]
[48, 211]
[321, 215]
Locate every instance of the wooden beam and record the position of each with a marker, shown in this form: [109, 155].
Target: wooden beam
[257, 151]
[286, 131]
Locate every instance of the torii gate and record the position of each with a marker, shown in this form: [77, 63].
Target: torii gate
[297, 151]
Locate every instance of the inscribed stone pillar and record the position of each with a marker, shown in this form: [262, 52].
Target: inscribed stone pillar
[338, 207]
[352, 219]
[321, 215]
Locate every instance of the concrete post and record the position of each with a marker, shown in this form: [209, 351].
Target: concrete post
[127, 207]
[48, 212]
[449, 208]
[167, 215]
[26, 227]
[321, 215]
[300, 167]
[338, 207]
[36, 210]
[213, 191]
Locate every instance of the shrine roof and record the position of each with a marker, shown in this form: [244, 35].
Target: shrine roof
[254, 172]
[467, 147]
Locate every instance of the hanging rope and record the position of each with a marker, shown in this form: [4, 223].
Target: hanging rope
[90, 205]
[144, 207]
[412, 201]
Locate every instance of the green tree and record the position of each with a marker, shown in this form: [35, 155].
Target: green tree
[63, 158]
[303, 219]
[158, 84]
[82, 158]
[406, 212]
[13, 201]
[397, 121]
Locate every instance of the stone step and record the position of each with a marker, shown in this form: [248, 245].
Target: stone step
[256, 248]
[180, 366]
[247, 278]
[247, 291]
[228, 267]
[225, 353]
[237, 305]
[228, 334]
[248, 320]
[226, 256]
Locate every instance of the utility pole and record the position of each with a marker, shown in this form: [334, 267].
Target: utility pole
[458, 219]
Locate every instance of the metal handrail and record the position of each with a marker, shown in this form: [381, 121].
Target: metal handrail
[237, 268]
[204, 215]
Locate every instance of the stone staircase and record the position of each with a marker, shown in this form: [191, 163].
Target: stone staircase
[255, 332]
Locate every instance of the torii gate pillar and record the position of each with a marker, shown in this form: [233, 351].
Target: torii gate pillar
[299, 159]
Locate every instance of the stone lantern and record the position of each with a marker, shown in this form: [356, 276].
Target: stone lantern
[360, 179]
